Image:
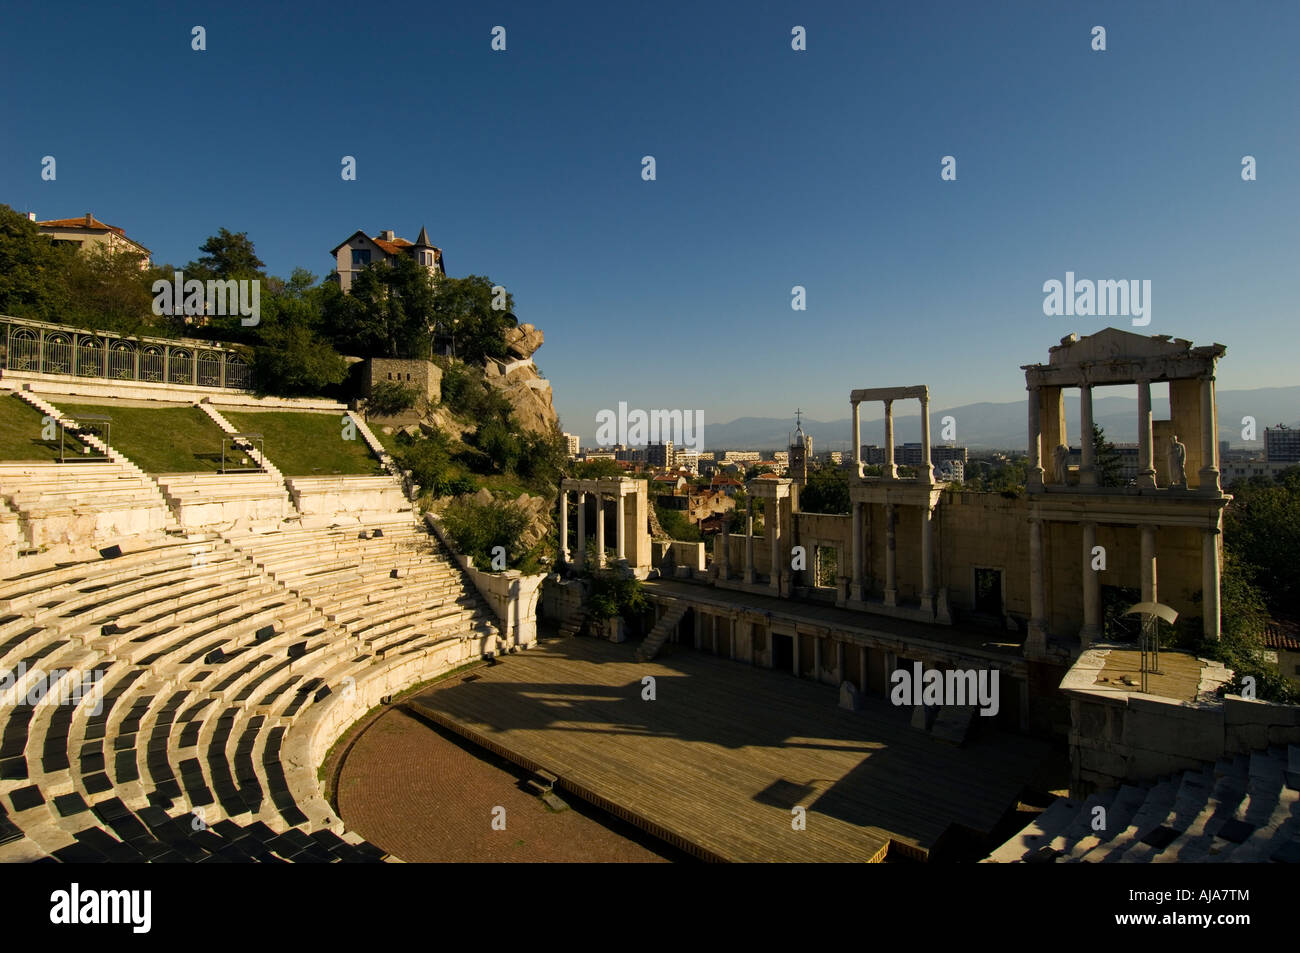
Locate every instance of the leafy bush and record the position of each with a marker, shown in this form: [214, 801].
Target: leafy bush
[476, 528]
[429, 458]
[389, 398]
[613, 593]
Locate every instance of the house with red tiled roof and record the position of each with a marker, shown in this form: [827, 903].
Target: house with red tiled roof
[88, 231]
[1282, 637]
[359, 250]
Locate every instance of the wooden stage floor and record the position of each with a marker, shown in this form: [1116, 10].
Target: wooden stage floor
[717, 761]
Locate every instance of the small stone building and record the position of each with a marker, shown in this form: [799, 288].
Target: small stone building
[424, 377]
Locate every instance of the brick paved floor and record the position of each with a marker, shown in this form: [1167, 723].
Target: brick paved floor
[425, 796]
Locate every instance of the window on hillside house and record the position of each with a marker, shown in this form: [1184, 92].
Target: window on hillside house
[360, 258]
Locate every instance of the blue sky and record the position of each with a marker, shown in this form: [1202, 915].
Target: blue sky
[775, 168]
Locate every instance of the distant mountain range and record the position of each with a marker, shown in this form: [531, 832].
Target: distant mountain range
[993, 426]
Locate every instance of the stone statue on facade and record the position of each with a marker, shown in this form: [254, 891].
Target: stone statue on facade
[1177, 459]
[1059, 456]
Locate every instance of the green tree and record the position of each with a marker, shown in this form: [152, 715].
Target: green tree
[107, 291]
[32, 267]
[226, 255]
[388, 314]
[1110, 465]
[595, 469]
[463, 316]
[293, 361]
[389, 398]
[827, 491]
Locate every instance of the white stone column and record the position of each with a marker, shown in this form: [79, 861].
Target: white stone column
[855, 592]
[927, 557]
[1091, 630]
[926, 472]
[1211, 573]
[891, 568]
[1150, 592]
[1209, 440]
[564, 526]
[1087, 450]
[1146, 446]
[749, 543]
[890, 471]
[620, 528]
[1035, 469]
[582, 530]
[600, 530]
[773, 529]
[1037, 637]
[857, 440]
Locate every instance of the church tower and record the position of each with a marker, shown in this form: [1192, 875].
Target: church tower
[800, 452]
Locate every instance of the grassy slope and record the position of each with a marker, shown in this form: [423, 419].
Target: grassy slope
[305, 444]
[160, 439]
[20, 433]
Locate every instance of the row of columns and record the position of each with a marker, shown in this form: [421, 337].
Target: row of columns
[857, 584]
[620, 529]
[1209, 472]
[890, 469]
[1211, 569]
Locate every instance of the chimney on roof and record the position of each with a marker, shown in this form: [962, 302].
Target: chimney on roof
[31, 216]
[90, 220]
[387, 234]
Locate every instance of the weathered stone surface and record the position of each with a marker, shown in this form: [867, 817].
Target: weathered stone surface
[850, 697]
[530, 397]
[524, 340]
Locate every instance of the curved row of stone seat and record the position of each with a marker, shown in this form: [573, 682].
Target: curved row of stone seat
[389, 588]
[62, 504]
[206, 499]
[221, 690]
[1243, 809]
[72, 756]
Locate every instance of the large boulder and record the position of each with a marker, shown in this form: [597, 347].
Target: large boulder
[530, 396]
[523, 341]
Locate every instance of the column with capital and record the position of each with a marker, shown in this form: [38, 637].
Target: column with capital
[1211, 575]
[1035, 470]
[926, 471]
[1209, 473]
[890, 471]
[1037, 637]
[600, 530]
[855, 592]
[857, 440]
[1146, 442]
[1087, 449]
[772, 526]
[891, 567]
[564, 526]
[1091, 630]
[582, 530]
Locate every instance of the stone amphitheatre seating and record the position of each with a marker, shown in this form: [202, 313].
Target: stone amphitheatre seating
[228, 667]
[1241, 809]
[331, 499]
[211, 499]
[60, 503]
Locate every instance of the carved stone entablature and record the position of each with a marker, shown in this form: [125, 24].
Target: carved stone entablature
[1112, 356]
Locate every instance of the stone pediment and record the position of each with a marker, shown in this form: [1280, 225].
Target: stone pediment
[1112, 344]
[1115, 356]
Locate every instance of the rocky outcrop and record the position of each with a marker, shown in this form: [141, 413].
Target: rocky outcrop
[523, 341]
[528, 392]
